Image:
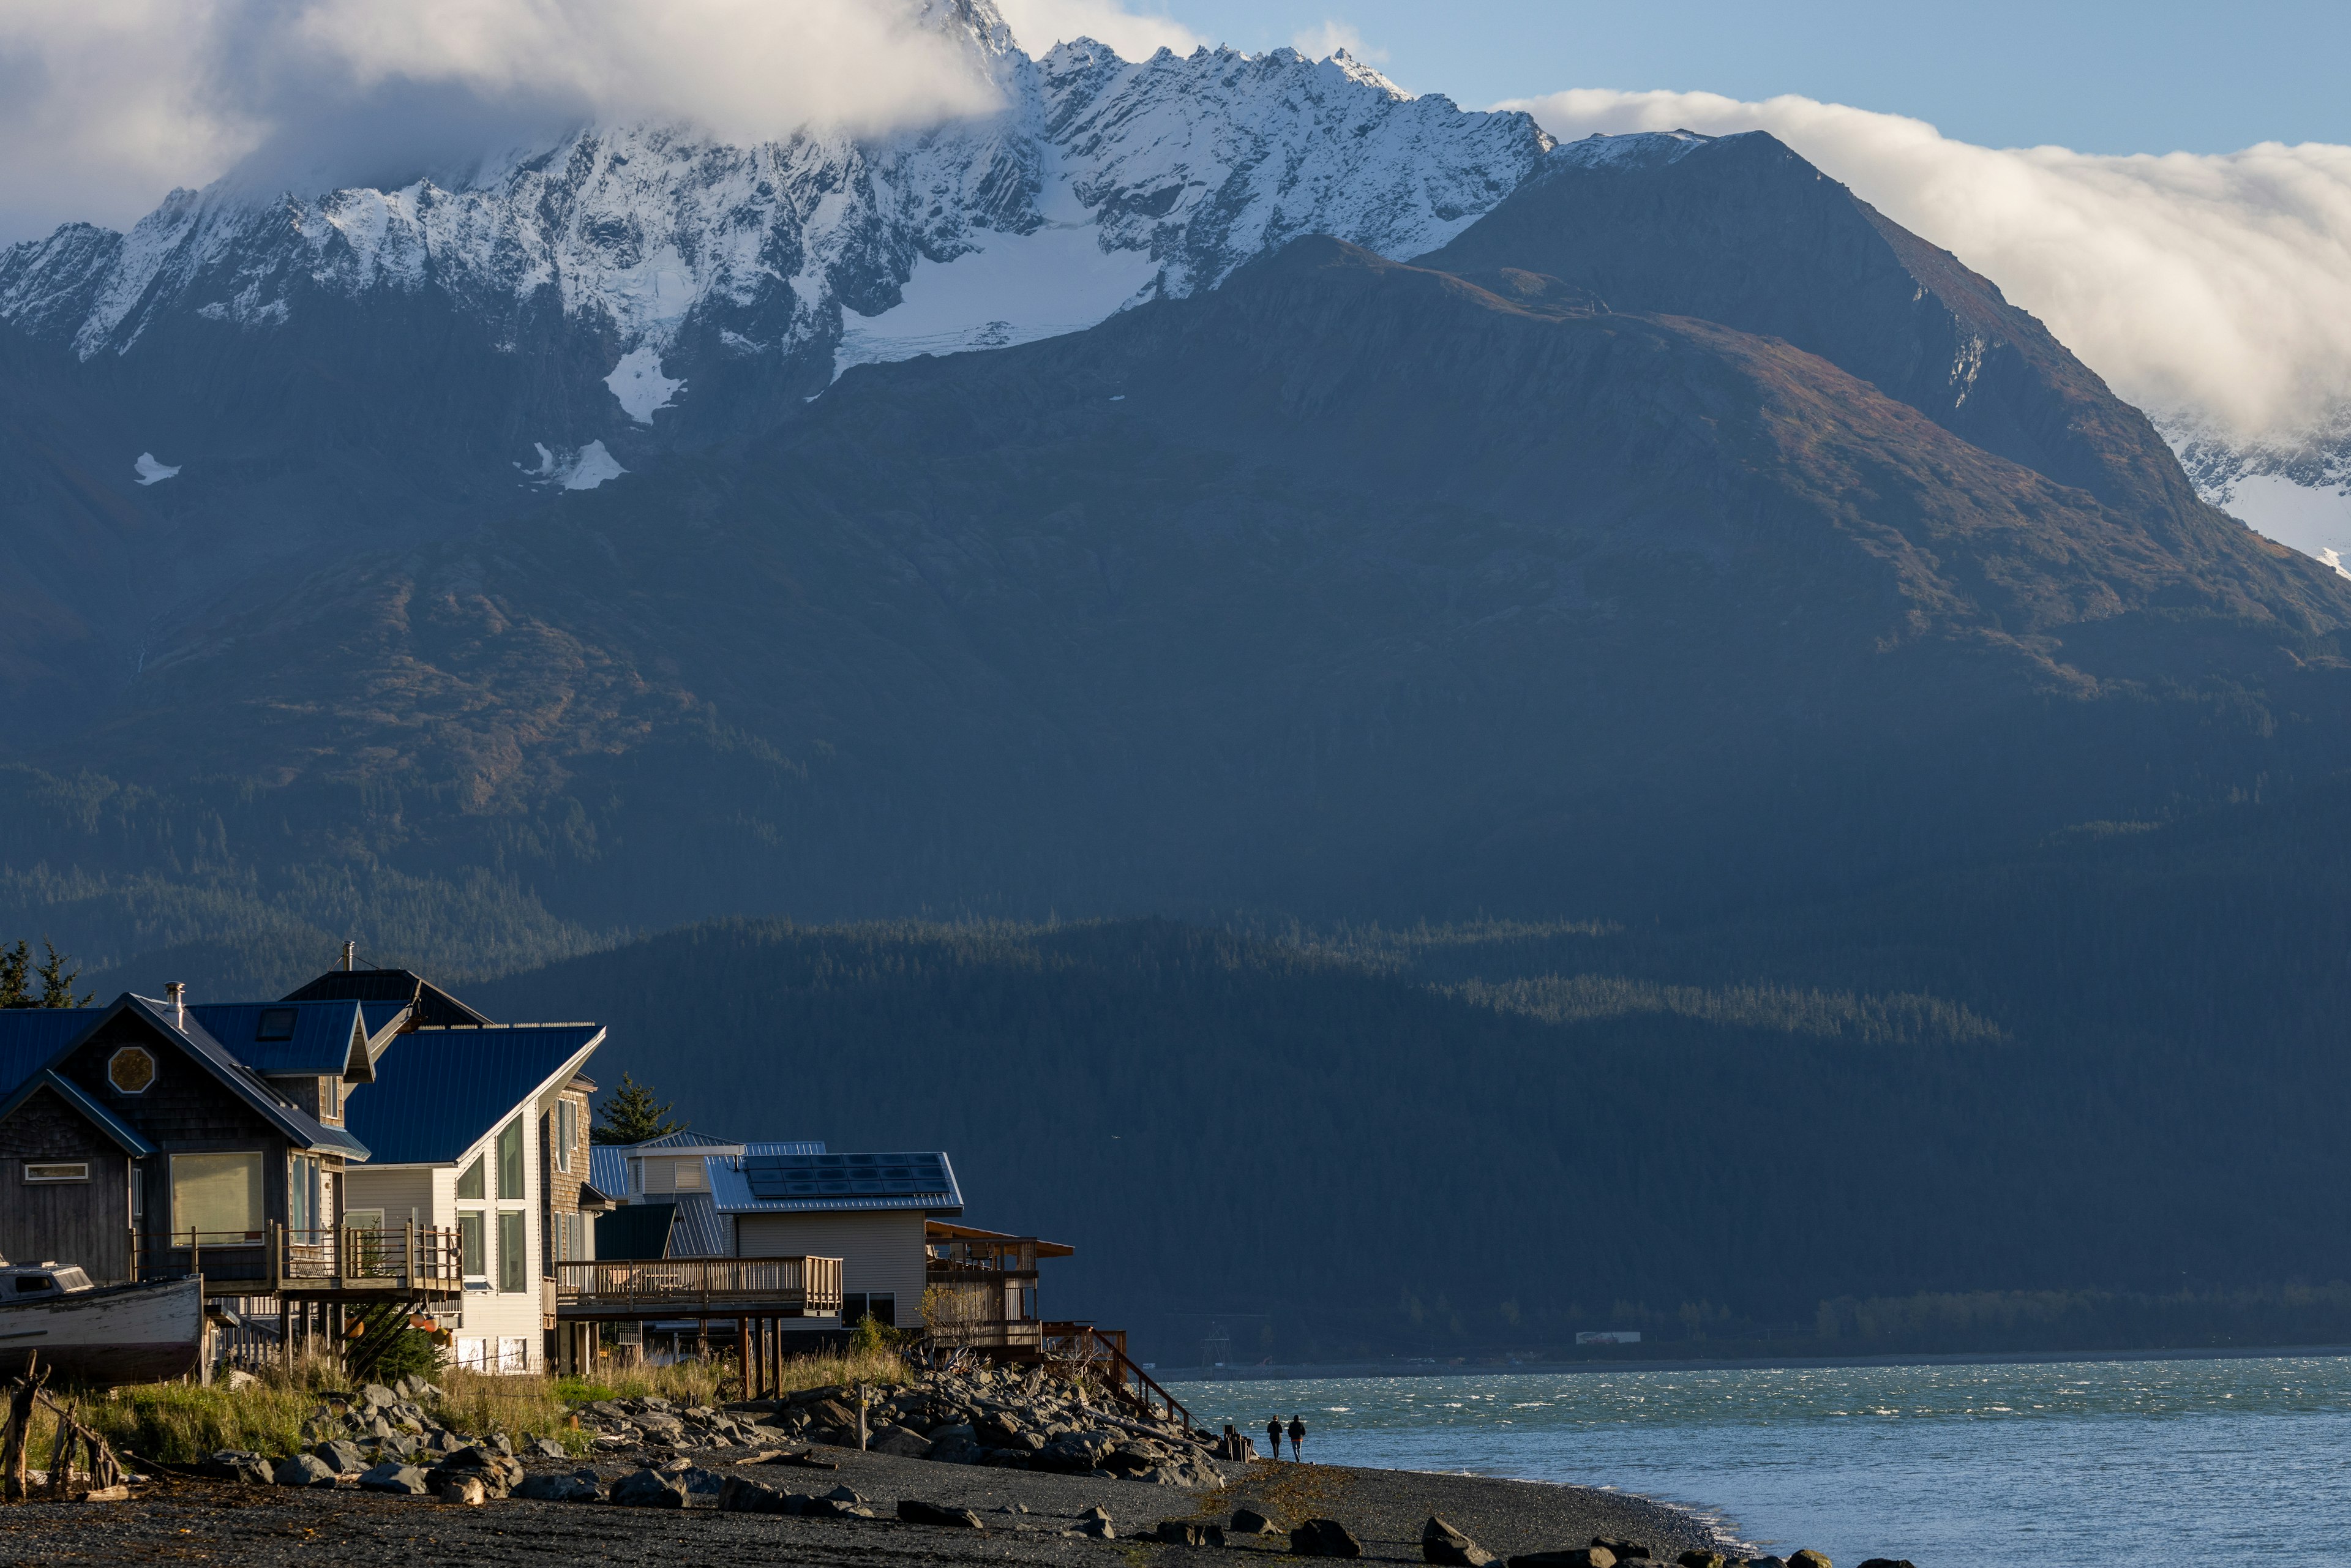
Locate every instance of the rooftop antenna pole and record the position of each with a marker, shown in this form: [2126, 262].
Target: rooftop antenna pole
[351, 955]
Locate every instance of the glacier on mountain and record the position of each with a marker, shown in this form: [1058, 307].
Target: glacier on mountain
[1101, 183]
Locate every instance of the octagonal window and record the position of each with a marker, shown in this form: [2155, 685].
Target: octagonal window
[130, 1069]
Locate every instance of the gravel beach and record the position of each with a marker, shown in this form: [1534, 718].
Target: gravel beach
[179, 1520]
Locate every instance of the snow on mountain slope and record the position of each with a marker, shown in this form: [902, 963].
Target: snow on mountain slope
[1101, 182]
[2295, 488]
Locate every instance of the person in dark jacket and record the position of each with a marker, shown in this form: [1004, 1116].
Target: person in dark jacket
[1273, 1438]
[1297, 1437]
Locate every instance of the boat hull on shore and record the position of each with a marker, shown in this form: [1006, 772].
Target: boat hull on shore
[114, 1334]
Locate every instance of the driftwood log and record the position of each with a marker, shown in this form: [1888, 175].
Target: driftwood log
[106, 1473]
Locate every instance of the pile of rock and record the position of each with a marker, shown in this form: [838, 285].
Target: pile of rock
[1003, 1419]
[628, 1423]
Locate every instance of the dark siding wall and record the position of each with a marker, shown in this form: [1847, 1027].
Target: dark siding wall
[68, 1222]
[185, 1110]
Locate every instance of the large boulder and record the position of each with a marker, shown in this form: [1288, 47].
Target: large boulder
[1629, 1551]
[240, 1466]
[1075, 1453]
[1808, 1558]
[1248, 1521]
[1700, 1558]
[376, 1396]
[580, 1486]
[343, 1457]
[955, 1450]
[1440, 1543]
[1574, 1557]
[903, 1442]
[400, 1480]
[1324, 1538]
[741, 1494]
[914, 1510]
[648, 1489]
[303, 1471]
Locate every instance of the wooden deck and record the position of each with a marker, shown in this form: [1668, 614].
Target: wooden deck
[698, 1288]
[414, 1262]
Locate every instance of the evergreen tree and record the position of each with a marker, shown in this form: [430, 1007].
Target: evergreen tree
[57, 981]
[630, 1116]
[15, 968]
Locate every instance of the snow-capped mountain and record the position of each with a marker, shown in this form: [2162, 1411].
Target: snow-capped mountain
[702, 282]
[2294, 487]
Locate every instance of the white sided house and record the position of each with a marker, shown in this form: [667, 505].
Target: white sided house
[483, 1129]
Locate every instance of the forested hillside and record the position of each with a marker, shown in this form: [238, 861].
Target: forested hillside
[2082, 1071]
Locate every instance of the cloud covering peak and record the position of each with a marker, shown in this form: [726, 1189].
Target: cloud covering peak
[2217, 285]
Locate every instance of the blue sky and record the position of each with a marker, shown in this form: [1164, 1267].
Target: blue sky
[2156, 75]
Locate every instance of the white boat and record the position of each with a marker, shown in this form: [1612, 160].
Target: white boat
[100, 1333]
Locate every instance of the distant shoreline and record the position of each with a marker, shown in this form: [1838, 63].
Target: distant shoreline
[1354, 1370]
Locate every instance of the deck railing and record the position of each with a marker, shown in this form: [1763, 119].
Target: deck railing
[723, 1285]
[415, 1257]
[1085, 1346]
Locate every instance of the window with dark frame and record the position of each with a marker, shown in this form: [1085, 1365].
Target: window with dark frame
[513, 1260]
[276, 1023]
[510, 1181]
[42, 1172]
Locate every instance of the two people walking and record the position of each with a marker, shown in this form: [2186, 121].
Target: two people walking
[1297, 1435]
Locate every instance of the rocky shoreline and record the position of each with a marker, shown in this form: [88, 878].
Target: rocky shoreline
[994, 1467]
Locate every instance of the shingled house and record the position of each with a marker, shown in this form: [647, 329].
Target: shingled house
[137, 1140]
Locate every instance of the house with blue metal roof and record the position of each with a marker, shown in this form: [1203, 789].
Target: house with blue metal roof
[134, 1140]
[484, 1129]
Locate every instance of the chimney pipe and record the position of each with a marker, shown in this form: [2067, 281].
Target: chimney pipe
[176, 993]
[351, 955]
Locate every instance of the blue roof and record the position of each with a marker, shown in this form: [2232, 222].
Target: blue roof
[65, 1088]
[303, 1037]
[303, 1129]
[32, 1037]
[701, 1231]
[802, 1146]
[684, 1138]
[438, 1091]
[817, 1183]
[607, 1169]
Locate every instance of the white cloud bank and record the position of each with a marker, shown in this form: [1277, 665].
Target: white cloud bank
[2218, 285]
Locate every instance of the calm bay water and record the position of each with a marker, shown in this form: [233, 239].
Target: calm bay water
[2155, 1462]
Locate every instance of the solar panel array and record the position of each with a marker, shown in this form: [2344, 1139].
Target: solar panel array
[775, 1176]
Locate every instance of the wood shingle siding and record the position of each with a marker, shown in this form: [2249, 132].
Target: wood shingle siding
[86, 1222]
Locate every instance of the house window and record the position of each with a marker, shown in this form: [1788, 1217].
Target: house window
[687, 1176]
[469, 1245]
[469, 1180]
[510, 1159]
[882, 1306]
[567, 1133]
[302, 1193]
[217, 1195]
[130, 1069]
[332, 1100]
[512, 1257]
[54, 1172]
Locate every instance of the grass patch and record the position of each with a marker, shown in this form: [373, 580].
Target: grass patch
[179, 1423]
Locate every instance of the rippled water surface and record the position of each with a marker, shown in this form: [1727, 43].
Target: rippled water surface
[2149, 1461]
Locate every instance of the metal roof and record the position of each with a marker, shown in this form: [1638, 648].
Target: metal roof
[433, 1005]
[438, 1091]
[822, 1183]
[125, 1137]
[702, 1231]
[607, 1169]
[32, 1037]
[637, 1231]
[303, 1130]
[305, 1038]
[801, 1146]
[684, 1138]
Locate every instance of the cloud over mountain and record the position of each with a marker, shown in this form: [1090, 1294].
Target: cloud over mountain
[2217, 284]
